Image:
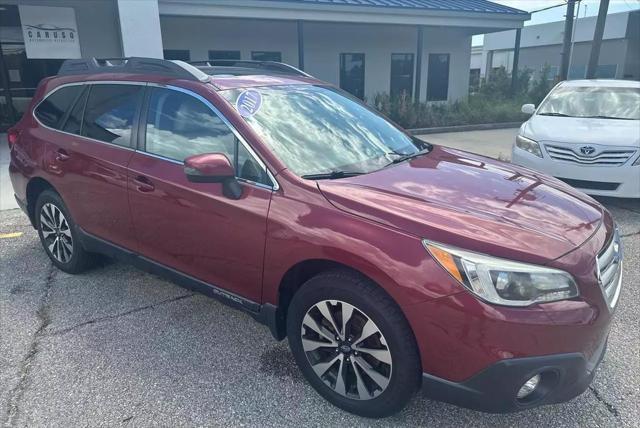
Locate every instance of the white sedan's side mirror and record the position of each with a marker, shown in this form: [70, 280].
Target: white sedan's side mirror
[529, 108]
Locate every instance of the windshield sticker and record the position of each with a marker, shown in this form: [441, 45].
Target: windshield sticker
[249, 103]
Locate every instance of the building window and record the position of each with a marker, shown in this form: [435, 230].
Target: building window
[577, 72]
[224, 54]
[352, 73]
[474, 79]
[438, 77]
[266, 56]
[607, 71]
[179, 54]
[401, 75]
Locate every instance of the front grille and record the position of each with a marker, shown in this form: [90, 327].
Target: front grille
[610, 270]
[591, 185]
[607, 157]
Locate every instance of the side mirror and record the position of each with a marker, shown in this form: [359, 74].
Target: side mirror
[529, 109]
[213, 168]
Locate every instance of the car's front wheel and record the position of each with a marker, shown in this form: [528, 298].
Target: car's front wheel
[353, 344]
[58, 234]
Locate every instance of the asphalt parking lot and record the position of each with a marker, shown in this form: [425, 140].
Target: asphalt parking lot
[117, 346]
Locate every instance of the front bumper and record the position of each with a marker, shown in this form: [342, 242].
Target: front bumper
[593, 180]
[494, 390]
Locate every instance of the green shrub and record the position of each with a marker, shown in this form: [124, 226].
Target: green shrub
[476, 109]
[494, 102]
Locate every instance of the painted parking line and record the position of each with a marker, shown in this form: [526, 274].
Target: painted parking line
[10, 235]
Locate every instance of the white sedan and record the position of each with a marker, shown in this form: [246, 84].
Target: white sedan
[586, 133]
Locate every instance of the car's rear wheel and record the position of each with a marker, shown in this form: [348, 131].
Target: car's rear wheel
[58, 234]
[353, 344]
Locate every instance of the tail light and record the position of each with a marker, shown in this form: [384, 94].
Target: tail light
[12, 137]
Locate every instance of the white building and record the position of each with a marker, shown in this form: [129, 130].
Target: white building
[365, 46]
[542, 44]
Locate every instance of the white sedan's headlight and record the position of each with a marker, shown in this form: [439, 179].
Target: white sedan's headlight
[528, 145]
[503, 282]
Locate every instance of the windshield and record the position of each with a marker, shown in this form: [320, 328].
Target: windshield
[607, 103]
[316, 130]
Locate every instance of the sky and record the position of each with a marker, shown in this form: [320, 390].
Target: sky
[587, 8]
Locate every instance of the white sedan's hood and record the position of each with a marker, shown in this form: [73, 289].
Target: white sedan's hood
[606, 132]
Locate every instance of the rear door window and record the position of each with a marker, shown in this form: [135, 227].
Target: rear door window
[110, 113]
[51, 111]
[73, 123]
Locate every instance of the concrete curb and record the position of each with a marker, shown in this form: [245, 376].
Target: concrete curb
[463, 128]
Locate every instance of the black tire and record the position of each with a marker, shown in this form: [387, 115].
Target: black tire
[377, 306]
[79, 260]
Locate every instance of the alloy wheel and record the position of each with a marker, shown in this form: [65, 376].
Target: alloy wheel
[346, 349]
[56, 233]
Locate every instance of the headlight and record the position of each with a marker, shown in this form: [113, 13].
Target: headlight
[528, 145]
[503, 282]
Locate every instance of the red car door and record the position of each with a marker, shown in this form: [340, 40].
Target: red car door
[88, 159]
[193, 227]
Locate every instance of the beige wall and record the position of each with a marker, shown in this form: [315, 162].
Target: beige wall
[323, 44]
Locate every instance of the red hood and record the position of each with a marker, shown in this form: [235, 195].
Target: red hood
[472, 202]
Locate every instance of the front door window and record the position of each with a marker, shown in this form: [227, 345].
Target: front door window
[180, 125]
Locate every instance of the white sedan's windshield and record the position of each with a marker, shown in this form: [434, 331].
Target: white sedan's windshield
[317, 130]
[595, 102]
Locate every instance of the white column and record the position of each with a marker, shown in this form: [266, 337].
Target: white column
[140, 28]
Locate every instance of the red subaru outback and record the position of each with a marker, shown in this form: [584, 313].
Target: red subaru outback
[388, 263]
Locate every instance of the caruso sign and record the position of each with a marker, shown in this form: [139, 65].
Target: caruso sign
[50, 32]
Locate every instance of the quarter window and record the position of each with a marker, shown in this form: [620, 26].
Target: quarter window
[180, 126]
[51, 111]
[110, 112]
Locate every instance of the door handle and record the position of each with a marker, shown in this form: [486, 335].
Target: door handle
[143, 184]
[62, 155]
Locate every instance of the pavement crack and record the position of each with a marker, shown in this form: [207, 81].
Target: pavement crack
[122, 314]
[42, 314]
[630, 234]
[626, 208]
[610, 407]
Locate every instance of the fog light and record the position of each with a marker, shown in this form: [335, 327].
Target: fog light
[528, 387]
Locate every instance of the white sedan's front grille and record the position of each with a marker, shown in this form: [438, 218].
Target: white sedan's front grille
[610, 270]
[606, 157]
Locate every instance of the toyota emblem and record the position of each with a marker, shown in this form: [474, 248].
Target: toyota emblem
[587, 150]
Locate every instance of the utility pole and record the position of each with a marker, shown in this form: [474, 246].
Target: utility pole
[516, 59]
[597, 39]
[573, 36]
[566, 44]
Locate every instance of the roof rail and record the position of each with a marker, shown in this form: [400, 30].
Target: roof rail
[238, 66]
[133, 65]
